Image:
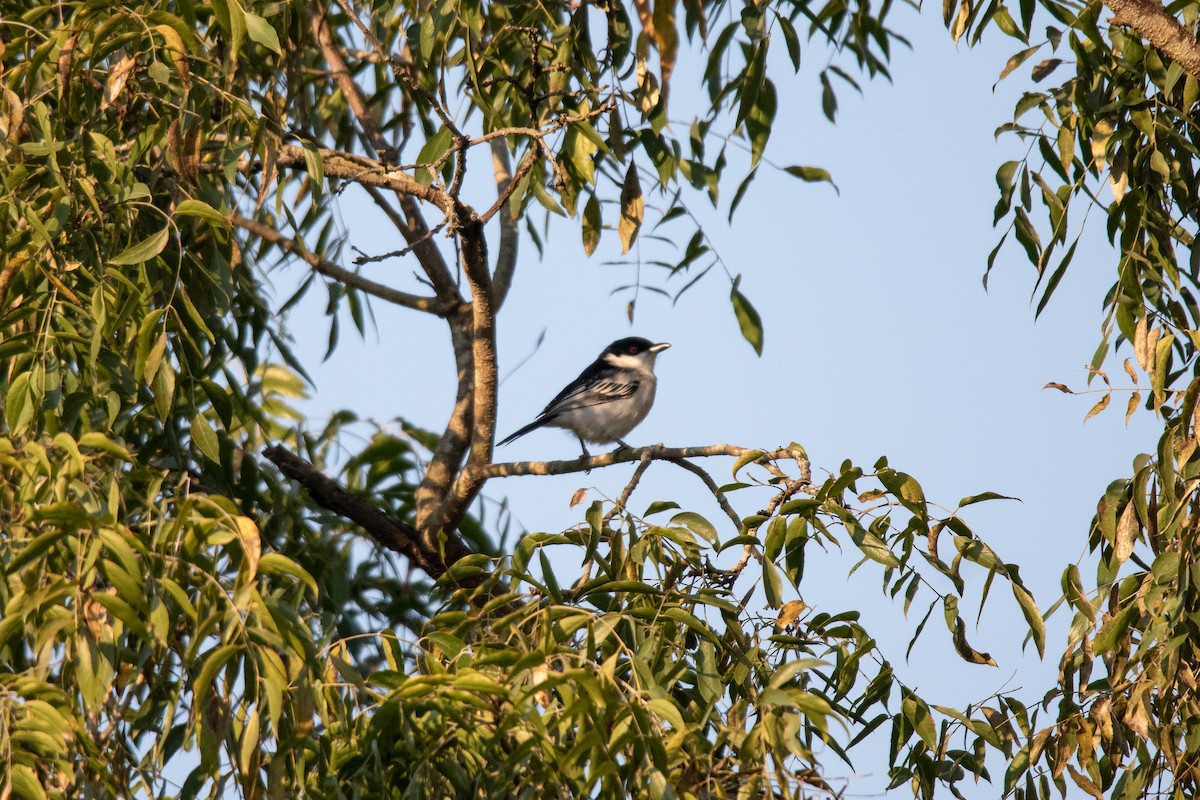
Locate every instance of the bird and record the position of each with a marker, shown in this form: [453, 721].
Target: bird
[608, 399]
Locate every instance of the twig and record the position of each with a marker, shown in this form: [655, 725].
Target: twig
[722, 501]
[627, 492]
[327, 268]
[363, 258]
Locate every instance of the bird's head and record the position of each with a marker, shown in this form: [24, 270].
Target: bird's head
[633, 352]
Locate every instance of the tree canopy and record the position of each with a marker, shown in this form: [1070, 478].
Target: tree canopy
[205, 594]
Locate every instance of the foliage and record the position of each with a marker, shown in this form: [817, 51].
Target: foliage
[172, 602]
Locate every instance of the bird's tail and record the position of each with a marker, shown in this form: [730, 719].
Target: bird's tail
[537, 423]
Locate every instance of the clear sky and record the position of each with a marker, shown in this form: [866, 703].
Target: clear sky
[880, 340]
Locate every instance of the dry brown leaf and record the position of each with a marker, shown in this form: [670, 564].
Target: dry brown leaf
[1127, 531]
[117, 77]
[1061, 387]
[968, 653]
[1085, 783]
[578, 496]
[1130, 371]
[789, 613]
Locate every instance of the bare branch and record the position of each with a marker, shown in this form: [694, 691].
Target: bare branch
[623, 499]
[395, 534]
[327, 268]
[1164, 31]
[506, 257]
[656, 452]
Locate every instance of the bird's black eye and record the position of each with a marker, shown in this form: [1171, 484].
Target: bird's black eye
[633, 349]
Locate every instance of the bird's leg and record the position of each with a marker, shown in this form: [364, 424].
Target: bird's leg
[622, 444]
[586, 454]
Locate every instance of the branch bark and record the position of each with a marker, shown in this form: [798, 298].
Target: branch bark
[656, 452]
[1161, 29]
[392, 533]
[506, 257]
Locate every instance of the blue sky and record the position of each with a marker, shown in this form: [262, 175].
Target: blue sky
[880, 340]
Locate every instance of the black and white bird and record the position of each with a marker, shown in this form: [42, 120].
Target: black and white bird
[608, 399]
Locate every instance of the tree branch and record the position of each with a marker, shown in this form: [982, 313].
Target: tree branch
[1161, 29]
[344, 166]
[394, 534]
[319, 264]
[506, 257]
[622, 455]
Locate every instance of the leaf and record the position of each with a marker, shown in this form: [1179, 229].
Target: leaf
[790, 612]
[144, 250]
[578, 496]
[262, 32]
[1135, 399]
[592, 225]
[1096, 409]
[1033, 617]
[979, 498]
[206, 438]
[748, 320]
[201, 209]
[697, 525]
[633, 206]
[117, 77]
[1017, 60]
[1044, 68]
[1061, 387]
[812, 175]
[251, 543]
[968, 653]
[1127, 532]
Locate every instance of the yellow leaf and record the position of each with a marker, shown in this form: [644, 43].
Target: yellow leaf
[251, 544]
[1096, 409]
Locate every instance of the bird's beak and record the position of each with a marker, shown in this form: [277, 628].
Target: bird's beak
[658, 348]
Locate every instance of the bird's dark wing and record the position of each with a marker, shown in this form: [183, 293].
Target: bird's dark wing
[595, 385]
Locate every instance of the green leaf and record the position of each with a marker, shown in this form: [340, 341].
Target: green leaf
[201, 209]
[262, 32]
[143, 251]
[748, 320]
[206, 438]
[812, 175]
[592, 225]
[697, 525]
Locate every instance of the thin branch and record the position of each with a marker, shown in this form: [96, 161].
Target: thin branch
[327, 268]
[657, 452]
[394, 534]
[364, 259]
[623, 500]
[722, 500]
[506, 257]
[531, 157]
[1164, 31]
